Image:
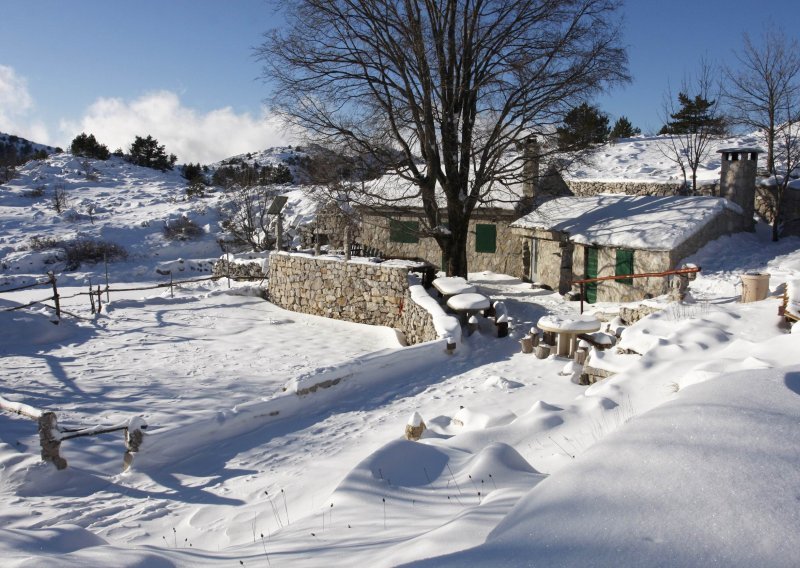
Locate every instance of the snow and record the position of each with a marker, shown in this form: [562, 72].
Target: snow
[642, 159]
[268, 422]
[638, 222]
[415, 420]
[793, 298]
[468, 302]
[577, 324]
[450, 285]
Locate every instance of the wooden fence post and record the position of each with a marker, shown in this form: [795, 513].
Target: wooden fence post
[56, 301]
[49, 440]
[133, 441]
[105, 259]
[99, 298]
[91, 299]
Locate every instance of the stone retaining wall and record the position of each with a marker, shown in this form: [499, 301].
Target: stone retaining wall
[765, 207]
[356, 291]
[585, 188]
[241, 266]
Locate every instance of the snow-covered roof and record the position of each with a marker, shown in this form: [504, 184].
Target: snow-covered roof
[638, 222]
[394, 191]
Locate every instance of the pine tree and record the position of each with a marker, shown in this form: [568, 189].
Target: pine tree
[583, 126]
[87, 146]
[146, 152]
[624, 129]
[695, 115]
[196, 181]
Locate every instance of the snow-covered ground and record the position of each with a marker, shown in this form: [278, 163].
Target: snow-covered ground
[647, 158]
[687, 456]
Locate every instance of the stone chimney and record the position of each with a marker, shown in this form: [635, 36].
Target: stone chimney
[530, 167]
[737, 180]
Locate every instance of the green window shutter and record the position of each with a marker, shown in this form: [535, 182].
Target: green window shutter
[485, 238]
[403, 231]
[591, 272]
[624, 265]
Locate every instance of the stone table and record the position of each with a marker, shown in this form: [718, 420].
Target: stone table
[567, 329]
[467, 304]
[452, 285]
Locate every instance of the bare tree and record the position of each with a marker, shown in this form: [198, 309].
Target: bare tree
[440, 91]
[245, 216]
[60, 200]
[693, 124]
[764, 89]
[786, 145]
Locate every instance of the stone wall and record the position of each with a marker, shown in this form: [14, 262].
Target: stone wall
[416, 323]
[644, 261]
[356, 291]
[765, 207]
[241, 266]
[585, 188]
[553, 185]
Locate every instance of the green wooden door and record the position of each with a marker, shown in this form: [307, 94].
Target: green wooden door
[591, 272]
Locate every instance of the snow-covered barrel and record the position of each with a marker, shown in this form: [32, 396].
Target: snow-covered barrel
[755, 287]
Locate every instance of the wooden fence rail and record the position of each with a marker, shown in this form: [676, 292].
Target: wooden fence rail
[51, 435]
[51, 281]
[664, 274]
[95, 295]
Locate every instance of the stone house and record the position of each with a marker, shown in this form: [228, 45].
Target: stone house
[399, 233]
[399, 230]
[573, 238]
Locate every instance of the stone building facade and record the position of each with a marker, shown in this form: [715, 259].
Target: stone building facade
[561, 250]
[555, 249]
[491, 246]
[356, 291]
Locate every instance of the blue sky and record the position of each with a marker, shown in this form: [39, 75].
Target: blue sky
[183, 70]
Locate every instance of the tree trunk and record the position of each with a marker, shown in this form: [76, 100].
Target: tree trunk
[457, 257]
[777, 212]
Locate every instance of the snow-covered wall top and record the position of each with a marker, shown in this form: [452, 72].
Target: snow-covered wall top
[640, 222]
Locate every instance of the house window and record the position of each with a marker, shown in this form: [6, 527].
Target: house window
[485, 238]
[403, 231]
[624, 265]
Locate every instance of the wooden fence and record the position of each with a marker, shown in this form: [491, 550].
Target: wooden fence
[677, 271]
[96, 294]
[51, 281]
[51, 434]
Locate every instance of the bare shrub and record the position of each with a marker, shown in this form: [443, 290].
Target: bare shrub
[182, 229]
[36, 192]
[87, 250]
[245, 217]
[81, 249]
[60, 200]
[38, 242]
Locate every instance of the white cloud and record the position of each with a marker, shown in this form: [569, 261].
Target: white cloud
[16, 105]
[191, 135]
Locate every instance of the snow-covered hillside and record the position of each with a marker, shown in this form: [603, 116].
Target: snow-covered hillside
[645, 158]
[22, 147]
[65, 199]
